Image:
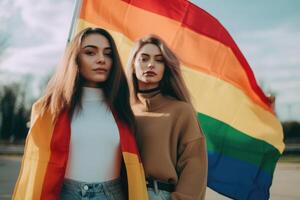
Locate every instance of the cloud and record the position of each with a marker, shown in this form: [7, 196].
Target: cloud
[273, 53]
[274, 47]
[38, 31]
[38, 60]
[39, 35]
[269, 39]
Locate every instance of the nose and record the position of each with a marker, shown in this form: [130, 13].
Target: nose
[100, 59]
[150, 65]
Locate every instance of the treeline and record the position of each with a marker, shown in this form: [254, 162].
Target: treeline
[15, 114]
[291, 131]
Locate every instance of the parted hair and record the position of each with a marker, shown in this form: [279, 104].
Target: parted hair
[65, 87]
[172, 83]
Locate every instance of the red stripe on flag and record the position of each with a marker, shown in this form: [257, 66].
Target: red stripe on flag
[201, 22]
[174, 9]
[128, 142]
[58, 159]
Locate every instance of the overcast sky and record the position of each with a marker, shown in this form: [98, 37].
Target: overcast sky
[267, 33]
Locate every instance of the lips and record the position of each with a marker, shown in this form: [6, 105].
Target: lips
[149, 73]
[100, 70]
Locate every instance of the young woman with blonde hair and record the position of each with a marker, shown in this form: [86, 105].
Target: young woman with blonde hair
[81, 142]
[171, 142]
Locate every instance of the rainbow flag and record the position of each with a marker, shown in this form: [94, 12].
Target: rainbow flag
[244, 137]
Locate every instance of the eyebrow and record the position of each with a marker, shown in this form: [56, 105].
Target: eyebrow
[90, 46]
[145, 54]
[95, 47]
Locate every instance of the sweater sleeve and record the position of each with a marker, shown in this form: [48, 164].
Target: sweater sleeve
[192, 160]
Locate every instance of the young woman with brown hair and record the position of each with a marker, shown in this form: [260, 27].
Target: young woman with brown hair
[81, 133]
[171, 142]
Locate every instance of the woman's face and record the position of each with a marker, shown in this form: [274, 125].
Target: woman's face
[149, 66]
[95, 59]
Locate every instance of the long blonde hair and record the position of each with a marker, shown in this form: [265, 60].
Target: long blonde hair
[64, 89]
[172, 83]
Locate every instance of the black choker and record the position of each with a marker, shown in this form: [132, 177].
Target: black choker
[149, 90]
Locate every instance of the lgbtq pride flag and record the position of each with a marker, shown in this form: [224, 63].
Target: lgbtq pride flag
[244, 137]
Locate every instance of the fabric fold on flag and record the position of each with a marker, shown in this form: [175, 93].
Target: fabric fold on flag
[244, 137]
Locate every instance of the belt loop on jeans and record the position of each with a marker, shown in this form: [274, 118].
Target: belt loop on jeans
[155, 186]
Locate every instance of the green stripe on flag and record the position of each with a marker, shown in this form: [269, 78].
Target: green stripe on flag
[224, 139]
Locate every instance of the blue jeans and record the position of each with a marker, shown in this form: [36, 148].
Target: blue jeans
[159, 195]
[76, 190]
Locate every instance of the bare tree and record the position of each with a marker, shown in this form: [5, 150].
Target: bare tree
[14, 113]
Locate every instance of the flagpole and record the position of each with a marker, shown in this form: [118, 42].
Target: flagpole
[76, 11]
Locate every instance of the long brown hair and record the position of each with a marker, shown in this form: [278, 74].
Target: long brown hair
[65, 87]
[172, 83]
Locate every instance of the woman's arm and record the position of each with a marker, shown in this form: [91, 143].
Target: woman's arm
[192, 160]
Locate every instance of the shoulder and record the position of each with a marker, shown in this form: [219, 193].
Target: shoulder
[181, 106]
[37, 105]
[137, 108]
[37, 108]
[187, 121]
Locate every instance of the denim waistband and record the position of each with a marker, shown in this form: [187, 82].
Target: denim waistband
[88, 189]
[91, 186]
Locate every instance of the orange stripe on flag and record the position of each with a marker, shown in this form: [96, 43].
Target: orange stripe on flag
[199, 21]
[195, 50]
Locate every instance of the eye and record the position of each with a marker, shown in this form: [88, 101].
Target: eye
[144, 58]
[159, 59]
[107, 52]
[89, 53]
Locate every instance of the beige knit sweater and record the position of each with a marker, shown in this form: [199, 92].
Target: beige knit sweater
[172, 145]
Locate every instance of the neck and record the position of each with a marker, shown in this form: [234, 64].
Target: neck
[151, 100]
[92, 94]
[90, 84]
[146, 86]
[149, 90]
